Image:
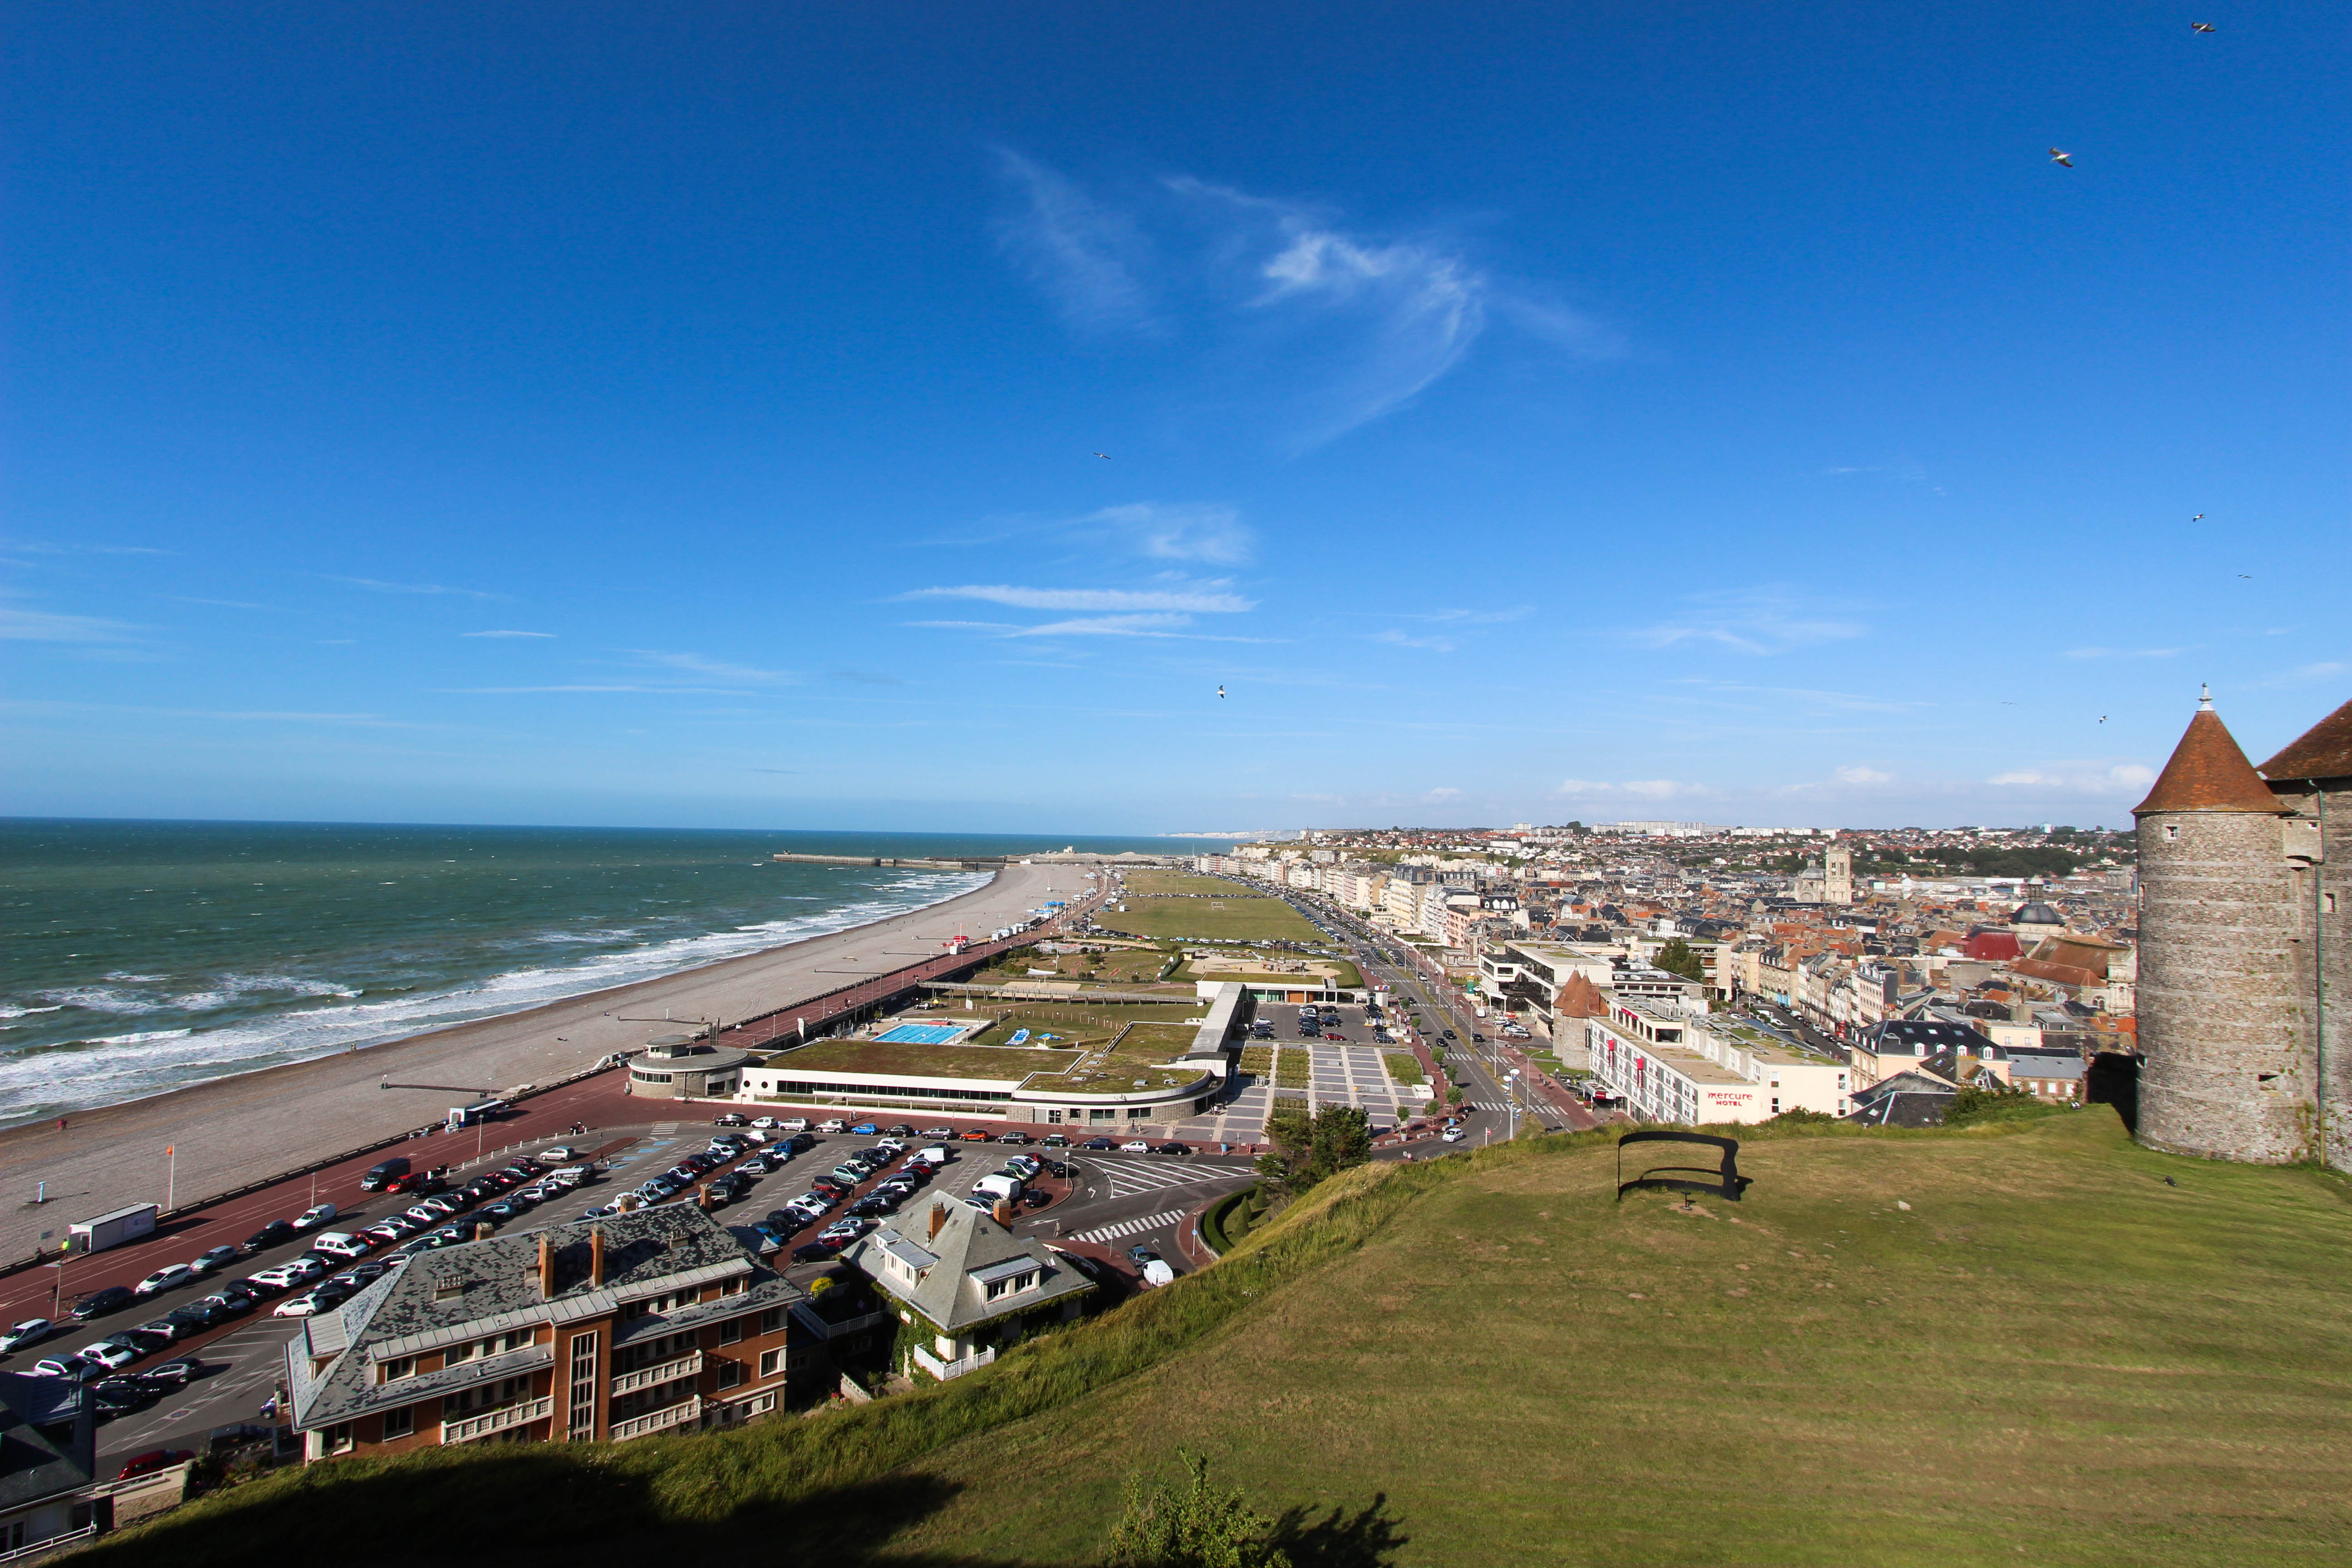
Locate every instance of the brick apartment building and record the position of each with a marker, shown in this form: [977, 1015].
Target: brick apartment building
[612, 1329]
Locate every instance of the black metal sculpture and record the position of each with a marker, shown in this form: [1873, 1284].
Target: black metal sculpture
[1729, 1184]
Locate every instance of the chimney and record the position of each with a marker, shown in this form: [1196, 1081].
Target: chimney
[1003, 1213]
[596, 1259]
[702, 1197]
[546, 1267]
[938, 1218]
[483, 1230]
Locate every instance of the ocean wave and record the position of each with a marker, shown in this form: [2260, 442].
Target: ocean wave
[119, 1066]
[28, 1012]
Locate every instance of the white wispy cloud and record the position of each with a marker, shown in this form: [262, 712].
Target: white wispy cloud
[2080, 778]
[1757, 621]
[18, 624]
[2125, 652]
[1638, 789]
[639, 687]
[1269, 298]
[1107, 626]
[696, 664]
[1399, 639]
[503, 633]
[1180, 530]
[1209, 599]
[2302, 675]
[376, 585]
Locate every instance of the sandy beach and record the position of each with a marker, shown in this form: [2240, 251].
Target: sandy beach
[237, 1130]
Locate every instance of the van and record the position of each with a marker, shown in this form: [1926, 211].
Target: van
[340, 1244]
[999, 1186]
[932, 1155]
[382, 1174]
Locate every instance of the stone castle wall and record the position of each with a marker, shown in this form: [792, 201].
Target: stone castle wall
[2222, 1007]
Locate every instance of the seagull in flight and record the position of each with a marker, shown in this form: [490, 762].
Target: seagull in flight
[1104, 456]
[2198, 518]
[1221, 691]
[2058, 157]
[2103, 718]
[2199, 28]
[2249, 576]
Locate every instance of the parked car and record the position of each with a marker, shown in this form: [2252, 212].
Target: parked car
[68, 1367]
[110, 1353]
[899, 1130]
[98, 1303]
[1134, 1146]
[1141, 1253]
[1454, 1134]
[976, 1135]
[31, 1331]
[832, 1124]
[939, 1133]
[269, 1234]
[213, 1259]
[154, 1460]
[171, 1277]
[1014, 1138]
[812, 1252]
[730, 1119]
[342, 1244]
[174, 1373]
[115, 1397]
[1056, 1141]
[314, 1217]
[1098, 1143]
[864, 1130]
[416, 1183]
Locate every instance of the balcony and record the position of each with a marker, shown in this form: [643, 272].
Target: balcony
[499, 1420]
[664, 1372]
[657, 1421]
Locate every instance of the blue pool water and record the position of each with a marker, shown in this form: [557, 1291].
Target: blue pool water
[921, 1033]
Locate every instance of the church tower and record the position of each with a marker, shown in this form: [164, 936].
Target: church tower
[2227, 1074]
[1837, 874]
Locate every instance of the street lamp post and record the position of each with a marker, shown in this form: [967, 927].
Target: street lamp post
[1511, 1098]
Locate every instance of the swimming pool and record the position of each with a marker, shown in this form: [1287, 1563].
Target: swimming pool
[921, 1033]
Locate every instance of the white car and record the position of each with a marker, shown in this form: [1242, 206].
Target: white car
[342, 1244]
[832, 1124]
[286, 1276]
[114, 1357]
[1136, 1147]
[306, 1305]
[766, 1123]
[171, 1277]
[31, 1331]
[1454, 1135]
[557, 1155]
[312, 1219]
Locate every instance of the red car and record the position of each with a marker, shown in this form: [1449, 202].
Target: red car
[977, 1135]
[152, 1460]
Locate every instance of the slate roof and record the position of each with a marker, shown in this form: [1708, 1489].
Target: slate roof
[970, 1248]
[2208, 773]
[455, 1295]
[2322, 751]
[47, 1444]
[1906, 1099]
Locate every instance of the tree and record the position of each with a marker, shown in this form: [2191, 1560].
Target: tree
[1199, 1525]
[1343, 1138]
[1676, 958]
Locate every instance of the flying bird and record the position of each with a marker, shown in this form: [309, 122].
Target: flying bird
[1104, 456]
[2249, 576]
[2058, 157]
[2198, 28]
[1221, 691]
[2198, 518]
[2103, 718]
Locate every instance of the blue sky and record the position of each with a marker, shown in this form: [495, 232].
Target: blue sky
[689, 414]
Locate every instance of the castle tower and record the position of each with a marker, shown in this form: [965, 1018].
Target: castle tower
[2220, 1004]
[2311, 777]
[1837, 873]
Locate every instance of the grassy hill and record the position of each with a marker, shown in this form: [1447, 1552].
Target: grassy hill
[2049, 1356]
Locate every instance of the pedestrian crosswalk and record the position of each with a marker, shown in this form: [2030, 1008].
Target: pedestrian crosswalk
[1129, 1227]
[1127, 1179]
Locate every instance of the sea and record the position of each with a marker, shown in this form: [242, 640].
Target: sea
[137, 957]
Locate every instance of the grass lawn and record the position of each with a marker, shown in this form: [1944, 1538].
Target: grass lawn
[1344, 974]
[2051, 1350]
[1147, 883]
[2049, 1356]
[939, 1061]
[1291, 1071]
[1404, 1067]
[1257, 1060]
[1239, 918]
[1139, 1057]
[1080, 1025]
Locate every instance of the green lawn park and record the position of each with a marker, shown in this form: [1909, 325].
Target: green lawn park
[1239, 918]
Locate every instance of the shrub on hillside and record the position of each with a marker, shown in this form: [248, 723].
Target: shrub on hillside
[1198, 1525]
[1972, 1106]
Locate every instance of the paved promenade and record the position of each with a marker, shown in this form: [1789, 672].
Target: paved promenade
[240, 1129]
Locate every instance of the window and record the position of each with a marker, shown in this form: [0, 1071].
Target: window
[731, 1332]
[771, 1319]
[731, 1373]
[396, 1369]
[400, 1423]
[2327, 903]
[2172, 830]
[771, 1362]
[338, 1438]
[579, 1425]
[734, 1286]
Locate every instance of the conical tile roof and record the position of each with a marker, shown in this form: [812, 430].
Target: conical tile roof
[2208, 773]
[2322, 751]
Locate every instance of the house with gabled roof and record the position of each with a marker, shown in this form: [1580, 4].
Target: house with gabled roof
[959, 1274]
